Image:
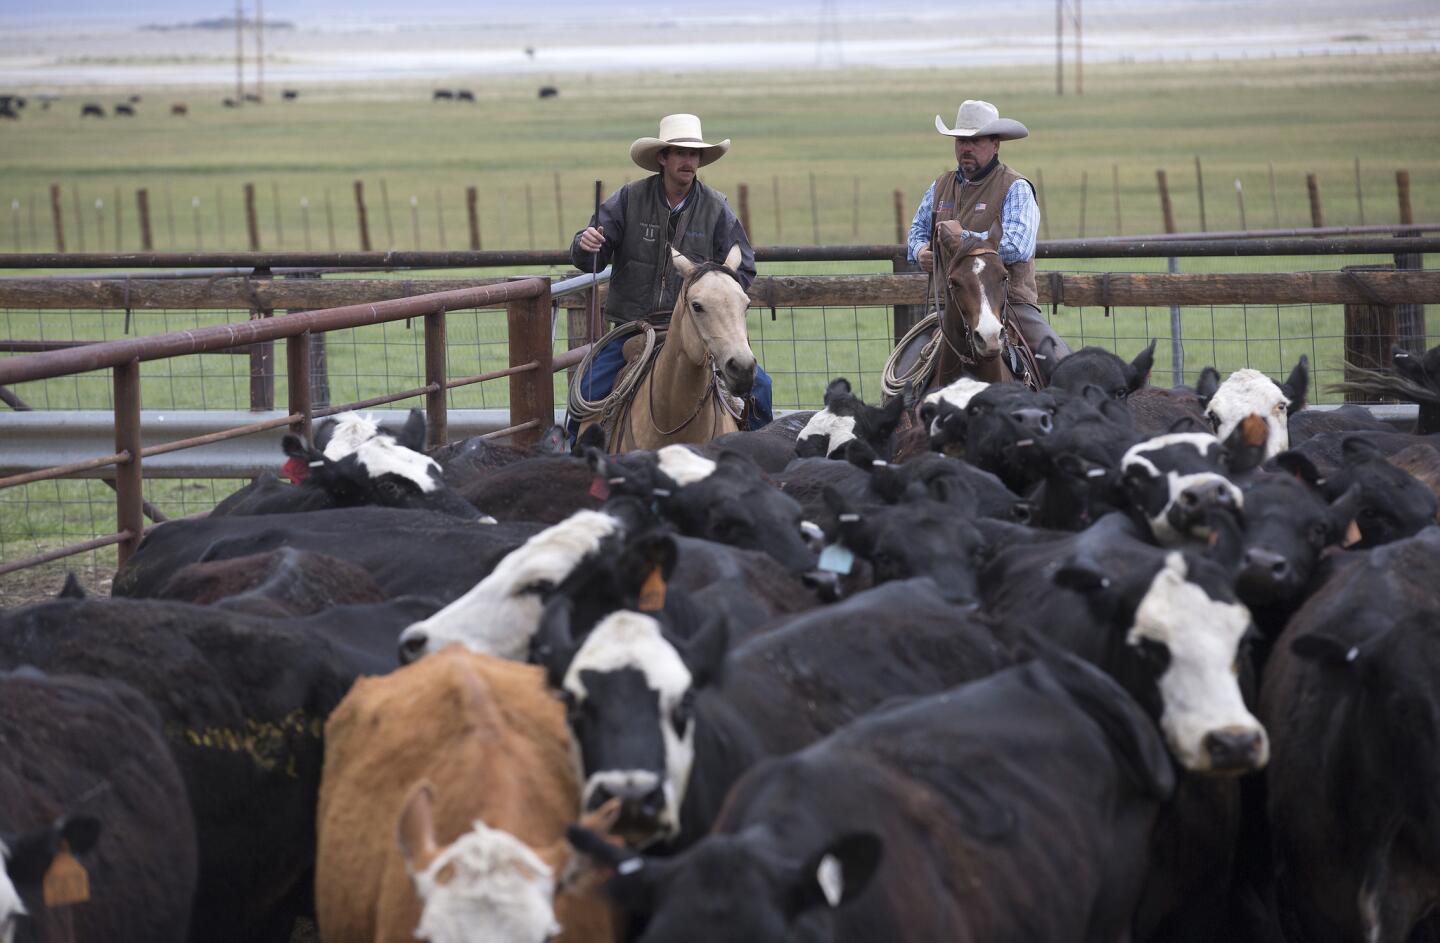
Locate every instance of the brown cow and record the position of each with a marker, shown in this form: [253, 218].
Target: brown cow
[495, 745]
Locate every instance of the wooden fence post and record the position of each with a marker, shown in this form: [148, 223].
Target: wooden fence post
[385, 212]
[1200, 190]
[1240, 202]
[1359, 193]
[58, 217]
[814, 212]
[275, 213]
[252, 224]
[532, 394]
[1274, 200]
[779, 225]
[1167, 212]
[1410, 317]
[1370, 332]
[129, 485]
[855, 211]
[1084, 188]
[262, 360]
[530, 214]
[904, 317]
[1040, 198]
[436, 419]
[1115, 186]
[297, 370]
[142, 204]
[1317, 211]
[559, 213]
[472, 211]
[742, 198]
[901, 230]
[79, 217]
[440, 218]
[360, 211]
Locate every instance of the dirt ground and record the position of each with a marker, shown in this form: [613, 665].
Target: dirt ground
[43, 582]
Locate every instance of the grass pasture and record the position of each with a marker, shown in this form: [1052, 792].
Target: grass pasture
[862, 134]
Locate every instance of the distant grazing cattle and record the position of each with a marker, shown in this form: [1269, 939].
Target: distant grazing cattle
[123, 109]
[465, 95]
[1016, 807]
[289, 94]
[90, 110]
[549, 91]
[442, 94]
[134, 99]
[470, 756]
[179, 108]
[7, 112]
[84, 760]
[230, 103]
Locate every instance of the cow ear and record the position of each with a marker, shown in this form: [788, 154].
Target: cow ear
[740, 466]
[553, 441]
[840, 872]
[415, 830]
[704, 652]
[72, 588]
[1139, 748]
[1207, 385]
[295, 447]
[838, 387]
[1188, 423]
[1297, 385]
[553, 646]
[1082, 577]
[79, 831]
[1141, 366]
[1331, 652]
[992, 238]
[1357, 449]
[642, 556]
[412, 434]
[1343, 510]
[1409, 366]
[859, 453]
[1298, 465]
[886, 418]
[632, 887]
[592, 438]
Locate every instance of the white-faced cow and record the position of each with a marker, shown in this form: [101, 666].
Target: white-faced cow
[1248, 392]
[844, 418]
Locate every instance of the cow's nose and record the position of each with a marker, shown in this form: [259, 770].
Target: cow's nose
[1234, 750]
[1265, 564]
[1207, 494]
[412, 646]
[1035, 420]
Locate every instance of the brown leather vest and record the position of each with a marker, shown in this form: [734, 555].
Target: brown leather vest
[977, 207]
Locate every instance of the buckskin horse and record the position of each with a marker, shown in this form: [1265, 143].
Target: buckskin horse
[688, 392]
[976, 336]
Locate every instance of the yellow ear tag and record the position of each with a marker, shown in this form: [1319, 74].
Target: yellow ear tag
[652, 594]
[66, 882]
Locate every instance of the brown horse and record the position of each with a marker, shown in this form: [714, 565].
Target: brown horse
[975, 328]
[680, 399]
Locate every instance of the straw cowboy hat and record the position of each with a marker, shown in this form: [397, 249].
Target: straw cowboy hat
[676, 131]
[977, 119]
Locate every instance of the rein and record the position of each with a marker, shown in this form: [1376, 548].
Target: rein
[970, 359]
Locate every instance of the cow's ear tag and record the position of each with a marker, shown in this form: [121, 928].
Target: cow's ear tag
[652, 594]
[837, 558]
[599, 490]
[831, 879]
[66, 882]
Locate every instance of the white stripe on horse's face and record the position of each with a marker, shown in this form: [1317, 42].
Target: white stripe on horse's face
[987, 325]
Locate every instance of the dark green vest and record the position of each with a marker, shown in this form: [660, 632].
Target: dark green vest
[643, 279]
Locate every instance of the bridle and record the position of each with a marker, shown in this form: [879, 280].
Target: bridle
[970, 359]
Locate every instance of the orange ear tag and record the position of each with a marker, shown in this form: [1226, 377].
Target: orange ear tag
[652, 594]
[66, 882]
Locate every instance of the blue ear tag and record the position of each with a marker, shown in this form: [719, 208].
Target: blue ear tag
[837, 559]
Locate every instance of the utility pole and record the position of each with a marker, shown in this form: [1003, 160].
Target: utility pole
[1079, 77]
[1060, 48]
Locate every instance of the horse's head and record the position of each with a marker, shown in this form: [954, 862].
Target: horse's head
[713, 302]
[978, 282]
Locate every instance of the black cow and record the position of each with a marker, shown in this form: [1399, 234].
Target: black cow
[1393, 504]
[1083, 457]
[354, 463]
[549, 91]
[125, 110]
[1349, 698]
[289, 94]
[1096, 366]
[7, 112]
[772, 448]
[464, 95]
[669, 725]
[1156, 410]
[405, 552]
[230, 103]
[284, 581]
[179, 108]
[1017, 807]
[242, 701]
[92, 110]
[1173, 481]
[998, 431]
[442, 94]
[84, 761]
[846, 418]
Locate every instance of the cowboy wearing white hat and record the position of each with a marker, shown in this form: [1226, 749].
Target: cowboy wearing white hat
[639, 224]
[979, 192]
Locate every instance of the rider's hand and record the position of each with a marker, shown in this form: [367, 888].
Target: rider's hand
[592, 239]
[926, 258]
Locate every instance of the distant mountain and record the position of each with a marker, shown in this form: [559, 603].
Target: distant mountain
[221, 23]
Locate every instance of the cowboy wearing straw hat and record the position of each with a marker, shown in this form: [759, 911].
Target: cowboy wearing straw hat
[977, 193]
[639, 224]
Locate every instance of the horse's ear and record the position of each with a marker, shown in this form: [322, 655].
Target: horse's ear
[992, 238]
[733, 258]
[682, 265]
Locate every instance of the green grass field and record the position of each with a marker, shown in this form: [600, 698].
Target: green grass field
[859, 134]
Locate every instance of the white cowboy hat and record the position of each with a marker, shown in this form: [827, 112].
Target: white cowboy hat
[676, 131]
[977, 119]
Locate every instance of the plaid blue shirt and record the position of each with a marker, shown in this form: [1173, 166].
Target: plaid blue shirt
[1019, 222]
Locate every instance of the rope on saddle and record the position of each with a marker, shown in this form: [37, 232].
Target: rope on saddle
[893, 383]
[582, 409]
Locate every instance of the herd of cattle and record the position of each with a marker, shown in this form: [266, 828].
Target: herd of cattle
[1103, 662]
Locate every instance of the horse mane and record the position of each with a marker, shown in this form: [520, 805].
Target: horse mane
[703, 268]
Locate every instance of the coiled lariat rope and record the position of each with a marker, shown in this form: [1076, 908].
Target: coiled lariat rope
[582, 409]
[893, 384]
